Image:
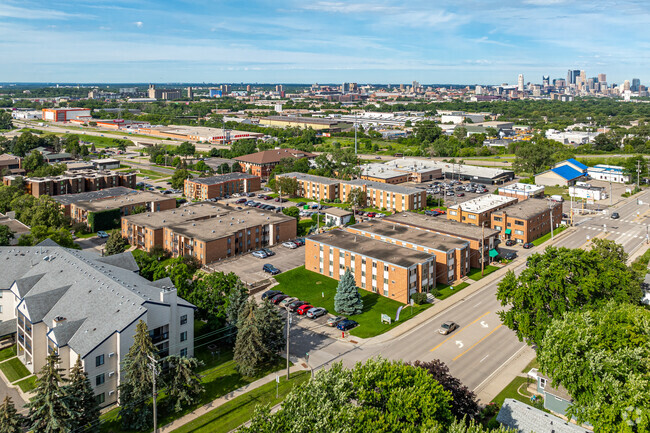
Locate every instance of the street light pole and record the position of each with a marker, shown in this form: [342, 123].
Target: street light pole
[551, 214]
[288, 330]
[482, 248]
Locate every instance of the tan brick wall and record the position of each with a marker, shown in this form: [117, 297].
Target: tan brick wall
[199, 191]
[532, 228]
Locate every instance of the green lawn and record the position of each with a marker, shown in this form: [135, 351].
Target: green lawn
[219, 376]
[14, 369]
[547, 236]
[7, 353]
[510, 391]
[556, 190]
[531, 364]
[27, 385]
[447, 290]
[319, 291]
[239, 410]
[475, 273]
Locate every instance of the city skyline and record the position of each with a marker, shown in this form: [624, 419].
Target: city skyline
[324, 41]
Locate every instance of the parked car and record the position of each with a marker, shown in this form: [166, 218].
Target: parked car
[333, 321]
[316, 312]
[270, 294]
[302, 310]
[510, 243]
[240, 201]
[295, 305]
[287, 301]
[510, 256]
[102, 234]
[346, 324]
[278, 298]
[289, 244]
[299, 241]
[259, 254]
[301, 204]
[268, 252]
[270, 269]
[371, 214]
[461, 194]
[448, 328]
[528, 245]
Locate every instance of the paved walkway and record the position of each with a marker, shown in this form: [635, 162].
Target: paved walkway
[298, 366]
[17, 395]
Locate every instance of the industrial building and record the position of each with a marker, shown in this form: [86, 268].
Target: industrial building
[318, 124]
[165, 94]
[262, 163]
[65, 114]
[608, 173]
[482, 240]
[522, 191]
[200, 133]
[87, 307]
[391, 271]
[205, 188]
[564, 175]
[452, 254]
[478, 211]
[527, 220]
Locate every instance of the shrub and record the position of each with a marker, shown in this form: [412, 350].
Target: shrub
[419, 298]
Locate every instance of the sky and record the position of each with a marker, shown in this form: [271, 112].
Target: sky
[314, 41]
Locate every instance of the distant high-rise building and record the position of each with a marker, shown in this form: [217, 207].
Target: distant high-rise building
[401, 87]
[520, 83]
[626, 85]
[583, 77]
[636, 83]
[248, 88]
[545, 80]
[190, 93]
[559, 83]
[279, 88]
[572, 75]
[478, 90]
[225, 89]
[602, 78]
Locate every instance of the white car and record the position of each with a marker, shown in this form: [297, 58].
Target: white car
[290, 245]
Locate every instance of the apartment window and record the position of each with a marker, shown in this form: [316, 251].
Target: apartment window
[471, 216]
[498, 219]
[453, 212]
[497, 228]
[519, 223]
[100, 379]
[100, 398]
[519, 232]
[184, 319]
[99, 360]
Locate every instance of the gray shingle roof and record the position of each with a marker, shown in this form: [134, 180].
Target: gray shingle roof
[122, 260]
[526, 419]
[80, 287]
[64, 331]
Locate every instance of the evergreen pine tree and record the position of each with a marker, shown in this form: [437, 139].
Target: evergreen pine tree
[83, 400]
[115, 243]
[51, 410]
[136, 387]
[10, 420]
[347, 299]
[183, 382]
[236, 302]
[250, 350]
[271, 325]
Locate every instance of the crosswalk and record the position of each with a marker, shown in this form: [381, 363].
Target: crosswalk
[602, 229]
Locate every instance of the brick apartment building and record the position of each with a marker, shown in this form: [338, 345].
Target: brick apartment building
[11, 164]
[74, 182]
[238, 232]
[205, 188]
[382, 195]
[479, 238]
[452, 254]
[67, 200]
[208, 231]
[478, 210]
[262, 163]
[527, 220]
[315, 187]
[392, 271]
[80, 212]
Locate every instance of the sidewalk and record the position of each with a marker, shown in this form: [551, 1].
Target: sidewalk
[297, 366]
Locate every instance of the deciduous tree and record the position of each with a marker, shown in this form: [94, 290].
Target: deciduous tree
[6, 235]
[178, 178]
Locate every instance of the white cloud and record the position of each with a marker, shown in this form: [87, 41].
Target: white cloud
[138, 24]
[8, 11]
[543, 2]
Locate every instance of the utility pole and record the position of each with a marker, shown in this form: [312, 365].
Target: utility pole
[610, 191]
[638, 171]
[154, 371]
[551, 214]
[288, 329]
[482, 248]
[355, 133]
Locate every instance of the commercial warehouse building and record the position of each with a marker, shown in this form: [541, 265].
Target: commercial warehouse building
[262, 163]
[527, 220]
[482, 240]
[382, 195]
[452, 254]
[205, 188]
[87, 307]
[65, 114]
[389, 270]
[477, 211]
[522, 191]
[318, 124]
[200, 133]
[608, 173]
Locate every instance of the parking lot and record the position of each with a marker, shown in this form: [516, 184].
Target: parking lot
[249, 268]
[458, 188]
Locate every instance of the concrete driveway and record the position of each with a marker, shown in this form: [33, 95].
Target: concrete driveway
[249, 268]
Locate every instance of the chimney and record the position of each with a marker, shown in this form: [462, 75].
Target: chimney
[57, 321]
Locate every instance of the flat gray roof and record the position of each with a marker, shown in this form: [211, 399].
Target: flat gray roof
[484, 203]
[224, 225]
[158, 220]
[383, 186]
[441, 224]
[117, 202]
[411, 235]
[311, 178]
[117, 191]
[527, 209]
[359, 244]
[213, 180]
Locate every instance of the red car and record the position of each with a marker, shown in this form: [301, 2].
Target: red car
[371, 214]
[302, 310]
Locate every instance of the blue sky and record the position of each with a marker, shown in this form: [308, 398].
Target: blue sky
[308, 41]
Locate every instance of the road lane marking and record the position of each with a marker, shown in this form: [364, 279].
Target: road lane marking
[477, 304]
[483, 324]
[460, 330]
[500, 367]
[475, 344]
[459, 344]
[484, 358]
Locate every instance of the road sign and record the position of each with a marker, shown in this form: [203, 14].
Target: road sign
[385, 318]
